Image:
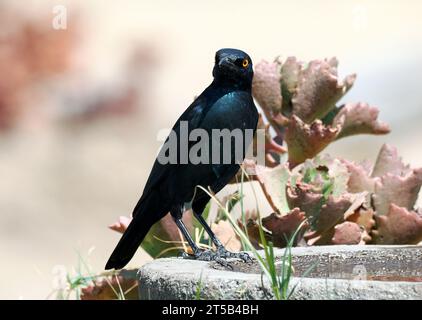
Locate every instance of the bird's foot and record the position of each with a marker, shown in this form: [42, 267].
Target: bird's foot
[207, 255]
[218, 256]
[224, 253]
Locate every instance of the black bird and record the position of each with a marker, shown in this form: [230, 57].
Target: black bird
[226, 103]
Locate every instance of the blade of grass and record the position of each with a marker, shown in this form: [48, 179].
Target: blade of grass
[199, 288]
[121, 293]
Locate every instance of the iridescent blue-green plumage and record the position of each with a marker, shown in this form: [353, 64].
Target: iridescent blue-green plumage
[226, 103]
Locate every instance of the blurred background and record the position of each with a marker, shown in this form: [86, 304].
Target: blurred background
[82, 99]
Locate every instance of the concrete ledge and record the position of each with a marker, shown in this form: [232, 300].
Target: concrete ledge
[335, 276]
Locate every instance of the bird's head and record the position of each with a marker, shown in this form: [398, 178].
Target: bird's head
[233, 67]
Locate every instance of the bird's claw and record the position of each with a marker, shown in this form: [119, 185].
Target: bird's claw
[209, 255]
[218, 256]
[244, 256]
[185, 255]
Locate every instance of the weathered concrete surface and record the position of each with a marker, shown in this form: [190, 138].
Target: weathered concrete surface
[335, 276]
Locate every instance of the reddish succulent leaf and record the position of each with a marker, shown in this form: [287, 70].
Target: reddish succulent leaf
[283, 227]
[401, 190]
[359, 179]
[306, 141]
[348, 233]
[303, 198]
[364, 218]
[333, 62]
[225, 233]
[270, 145]
[323, 214]
[273, 182]
[398, 226]
[315, 239]
[290, 70]
[121, 225]
[252, 228]
[266, 89]
[333, 212]
[358, 201]
[389, 161]
[359, 118]
[266, 86]
[318, 90]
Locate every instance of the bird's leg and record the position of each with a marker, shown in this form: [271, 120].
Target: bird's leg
[185, 232]
[198, 254]
[222, 252]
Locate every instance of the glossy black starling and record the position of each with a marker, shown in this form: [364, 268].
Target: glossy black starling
[226, 103]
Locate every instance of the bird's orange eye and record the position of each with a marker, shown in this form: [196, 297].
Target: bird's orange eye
[245, 63]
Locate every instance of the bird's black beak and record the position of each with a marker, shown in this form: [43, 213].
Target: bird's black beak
[227, 63]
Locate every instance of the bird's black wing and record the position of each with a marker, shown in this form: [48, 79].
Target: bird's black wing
[194, 115]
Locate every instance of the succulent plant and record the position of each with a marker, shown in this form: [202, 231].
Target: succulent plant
[299, 100]
[316, 191]
[394, 189]
[345, 202]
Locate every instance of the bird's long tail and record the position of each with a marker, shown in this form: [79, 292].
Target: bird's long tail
[147, 212]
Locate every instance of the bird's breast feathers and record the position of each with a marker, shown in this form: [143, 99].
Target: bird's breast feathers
[233, 110]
